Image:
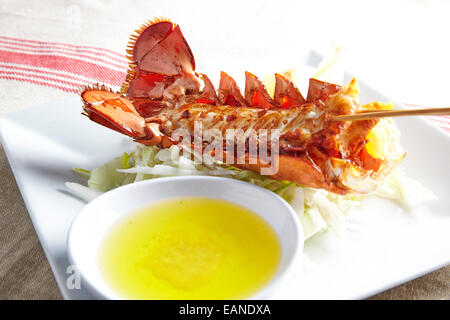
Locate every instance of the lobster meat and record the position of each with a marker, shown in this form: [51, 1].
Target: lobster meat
[163, 93]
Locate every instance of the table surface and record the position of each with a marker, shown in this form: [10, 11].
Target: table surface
[383, 49]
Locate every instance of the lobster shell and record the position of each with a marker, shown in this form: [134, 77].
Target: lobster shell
[163, 92]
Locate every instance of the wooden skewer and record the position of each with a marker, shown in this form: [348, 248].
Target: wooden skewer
[372, 114]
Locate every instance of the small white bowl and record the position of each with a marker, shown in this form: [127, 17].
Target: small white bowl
[94, 221]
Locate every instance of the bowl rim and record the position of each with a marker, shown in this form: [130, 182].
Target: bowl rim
[260, 294]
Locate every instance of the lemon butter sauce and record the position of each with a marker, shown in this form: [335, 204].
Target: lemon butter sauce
[190, 248]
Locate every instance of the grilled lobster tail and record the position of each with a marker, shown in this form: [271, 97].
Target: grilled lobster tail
[163, 93]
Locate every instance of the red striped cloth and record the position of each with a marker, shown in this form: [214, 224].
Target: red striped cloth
[68, 67]
[59, 65]
[442, 122]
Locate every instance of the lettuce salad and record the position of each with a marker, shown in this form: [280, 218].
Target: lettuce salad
[318, 210]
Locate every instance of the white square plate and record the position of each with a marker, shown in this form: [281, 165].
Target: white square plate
[383, 246]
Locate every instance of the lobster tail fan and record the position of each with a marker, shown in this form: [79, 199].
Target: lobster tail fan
[97, 93]
[138, 43]
[159, 57]
[170, 56]
[111, 110]
[147, 36]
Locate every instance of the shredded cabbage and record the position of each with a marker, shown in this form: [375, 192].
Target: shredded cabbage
[106, 177]
[405, 191]
[85, 193]
[318, 210]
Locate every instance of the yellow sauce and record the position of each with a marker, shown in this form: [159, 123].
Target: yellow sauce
[190, 248]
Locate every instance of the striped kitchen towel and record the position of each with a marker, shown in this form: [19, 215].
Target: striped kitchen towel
[59, 65]
[68, 67]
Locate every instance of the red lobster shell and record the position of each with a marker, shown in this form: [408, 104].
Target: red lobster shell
[163, 93]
